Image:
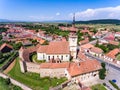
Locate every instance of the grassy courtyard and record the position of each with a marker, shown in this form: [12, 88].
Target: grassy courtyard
[98, 87]
[6, 85]
[34, 59]
[118, 57]
[33, 80]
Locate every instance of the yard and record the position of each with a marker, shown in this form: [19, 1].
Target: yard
[98, 87]
[33, 80]
[118, 57]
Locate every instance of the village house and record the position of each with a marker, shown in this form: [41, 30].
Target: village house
[4, 48]
[111, 56]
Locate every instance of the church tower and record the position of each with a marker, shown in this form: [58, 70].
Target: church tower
[73, 23]
[73, 45]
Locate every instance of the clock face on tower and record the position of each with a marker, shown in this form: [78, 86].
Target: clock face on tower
[73, 39]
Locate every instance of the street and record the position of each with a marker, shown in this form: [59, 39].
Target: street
[113, 72]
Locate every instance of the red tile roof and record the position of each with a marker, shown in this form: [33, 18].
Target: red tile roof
[73, 68]
[112, 54]
[55, 48]
[5, 45]
[84, 67]
[114, 43]
[54, 65]
[96, 50]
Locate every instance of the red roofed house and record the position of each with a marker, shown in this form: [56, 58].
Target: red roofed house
[6, 48]
[110, 37]
[112, 54]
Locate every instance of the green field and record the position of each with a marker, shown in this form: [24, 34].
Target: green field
[98, 87]
[33, 80]
[118, 57]
[5, 85]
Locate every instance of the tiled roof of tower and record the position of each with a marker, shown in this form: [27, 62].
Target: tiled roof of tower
[55, 48]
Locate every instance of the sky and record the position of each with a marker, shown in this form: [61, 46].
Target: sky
[45, 10]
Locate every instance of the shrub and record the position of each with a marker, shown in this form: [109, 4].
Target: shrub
[7, 81]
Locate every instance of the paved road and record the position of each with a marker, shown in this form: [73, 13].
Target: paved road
[113, 72]
[107, 63]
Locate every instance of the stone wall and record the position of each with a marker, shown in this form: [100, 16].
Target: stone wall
[59, 72]
[32, 67]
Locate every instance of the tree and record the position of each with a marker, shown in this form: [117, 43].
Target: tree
[102, 72]
[0, 37]
[103, 65]
[17, 46]
[1, 55]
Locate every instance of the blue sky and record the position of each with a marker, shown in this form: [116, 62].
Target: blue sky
[41, 10]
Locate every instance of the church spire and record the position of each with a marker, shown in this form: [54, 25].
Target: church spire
[73, 23]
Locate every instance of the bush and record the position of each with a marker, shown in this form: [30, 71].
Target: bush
[7, 81]
[104, 84]
[2, 60]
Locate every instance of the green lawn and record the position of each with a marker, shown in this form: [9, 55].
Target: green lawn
[33, 80]
[34, 59]
[7, 86]
[118, 57]
[98, 87]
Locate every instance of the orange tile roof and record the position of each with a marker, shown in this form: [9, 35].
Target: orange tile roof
[4, 45]
[84, 41]
[87, 46]
[96, 50]
[113, 42]
[54, 65]
[73, 68]
[113, 53]
[55, 48]
[81, 56]
[84, 67]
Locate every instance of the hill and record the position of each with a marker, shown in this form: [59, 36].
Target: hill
[100, 21]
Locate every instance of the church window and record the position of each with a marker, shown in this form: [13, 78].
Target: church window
[62, 57]
[48, 57]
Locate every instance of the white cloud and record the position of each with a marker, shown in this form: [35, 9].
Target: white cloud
[57, 14]
[99, 13]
